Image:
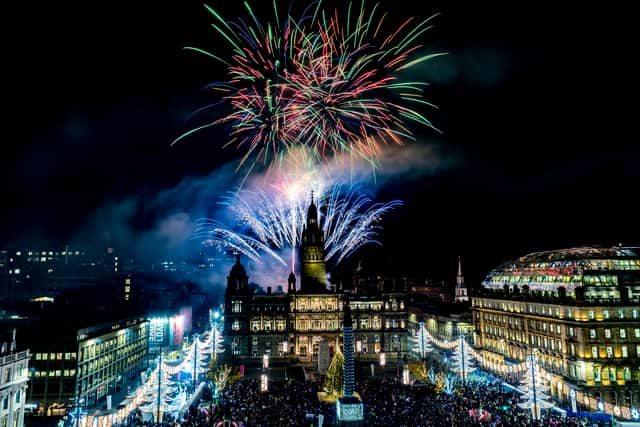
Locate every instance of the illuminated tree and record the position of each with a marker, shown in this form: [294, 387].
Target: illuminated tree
[418, 370]
[220, 379]
[461, 362]
[333, 379]
[533, 387]
[420, 343]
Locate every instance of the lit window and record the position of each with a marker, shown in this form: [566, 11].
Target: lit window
[330, 325]
[596, 374]
[623, 333]
[591, 314]
[39, 355]
[592, 333]
[607, 333]
[636, 332]
[612, 374]
[627, 373]
[605, 314]
[609, 351]
[594, 351]
[621, 314]
[625, 351]
[236, 306]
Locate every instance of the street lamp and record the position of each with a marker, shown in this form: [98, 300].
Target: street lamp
[405, 374]
[462, 358]
[383, 362]
[533, 358]
[195, 360]
[214, 347]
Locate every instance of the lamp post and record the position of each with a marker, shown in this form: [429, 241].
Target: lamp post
[214, 347]
[464, 381]
[532, 363]
[195, 360]
[462, 358]
[158, 420]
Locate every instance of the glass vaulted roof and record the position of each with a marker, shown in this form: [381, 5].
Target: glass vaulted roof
[581, 266]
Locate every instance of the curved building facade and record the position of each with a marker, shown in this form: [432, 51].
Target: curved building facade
[599, 271]
[578, 310]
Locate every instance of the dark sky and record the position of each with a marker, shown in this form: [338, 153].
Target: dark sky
[536, 105]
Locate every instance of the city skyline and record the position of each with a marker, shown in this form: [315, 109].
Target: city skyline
[534, 154]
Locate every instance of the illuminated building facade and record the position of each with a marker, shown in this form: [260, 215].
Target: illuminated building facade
[87, 363]
[110, 355]
[445, 316]
[579, 310]
[14, 367]
[294, 323]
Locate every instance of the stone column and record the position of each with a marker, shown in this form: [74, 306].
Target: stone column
[11, 414]
[23, 401]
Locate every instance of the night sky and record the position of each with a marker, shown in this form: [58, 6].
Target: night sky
[536, 107]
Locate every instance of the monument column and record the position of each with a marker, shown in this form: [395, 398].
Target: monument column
[349, 407]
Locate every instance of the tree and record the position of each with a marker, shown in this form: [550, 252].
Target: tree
[333, 380]
[220, 378]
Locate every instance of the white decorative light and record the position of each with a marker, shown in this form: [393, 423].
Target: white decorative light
[264, 382]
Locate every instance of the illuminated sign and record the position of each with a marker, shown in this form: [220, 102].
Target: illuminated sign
[157, 330]
[166, 330]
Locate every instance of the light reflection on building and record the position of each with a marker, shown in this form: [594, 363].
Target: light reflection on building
[579, 308]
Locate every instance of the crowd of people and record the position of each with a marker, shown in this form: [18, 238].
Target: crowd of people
[387, 402]
[482, 401]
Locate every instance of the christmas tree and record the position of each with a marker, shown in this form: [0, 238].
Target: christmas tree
[333, 379]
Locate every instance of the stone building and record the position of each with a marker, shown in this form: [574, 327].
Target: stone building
[293, 323]
[578, 309]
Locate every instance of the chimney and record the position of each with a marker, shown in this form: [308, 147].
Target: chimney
[13, 341]
[3, 349]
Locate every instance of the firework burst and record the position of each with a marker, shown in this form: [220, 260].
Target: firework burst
[269, 224]
[327, 83]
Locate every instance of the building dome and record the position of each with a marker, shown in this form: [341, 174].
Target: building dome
[238, 271]
[586, 266]
[237, 281]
